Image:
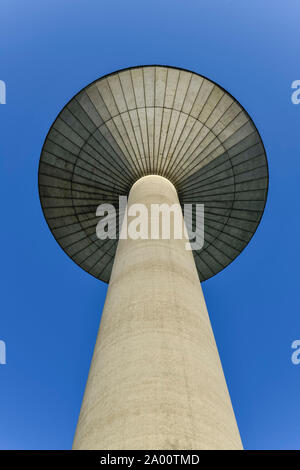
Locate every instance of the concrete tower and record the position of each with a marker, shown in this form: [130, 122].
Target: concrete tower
[157, 135]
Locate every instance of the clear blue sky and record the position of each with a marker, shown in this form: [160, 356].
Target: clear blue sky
[50, 308]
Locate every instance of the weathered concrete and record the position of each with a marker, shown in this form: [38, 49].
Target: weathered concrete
[153, 120]
[155, 381]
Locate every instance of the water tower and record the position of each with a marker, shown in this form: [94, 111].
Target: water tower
[164, 135]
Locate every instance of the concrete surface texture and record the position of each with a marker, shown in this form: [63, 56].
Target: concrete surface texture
[153, 120]
[155, 381]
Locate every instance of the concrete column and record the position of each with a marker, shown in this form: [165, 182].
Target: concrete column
[156, 381]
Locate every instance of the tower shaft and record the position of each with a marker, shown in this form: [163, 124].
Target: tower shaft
[156, 381]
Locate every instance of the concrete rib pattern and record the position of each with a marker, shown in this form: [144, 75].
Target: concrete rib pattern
[153, 120]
